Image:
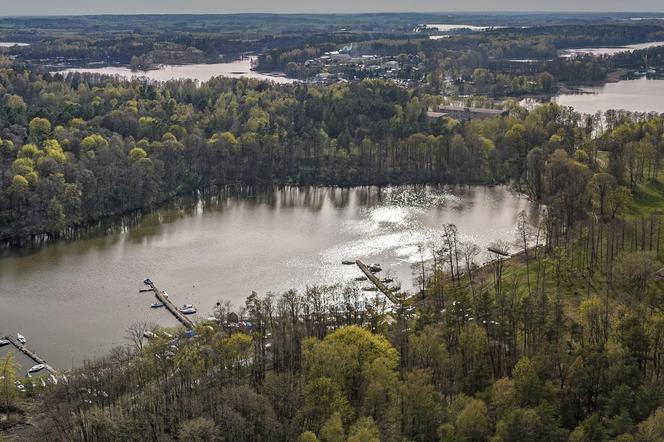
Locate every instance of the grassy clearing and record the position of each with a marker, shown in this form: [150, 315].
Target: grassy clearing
[647, 199]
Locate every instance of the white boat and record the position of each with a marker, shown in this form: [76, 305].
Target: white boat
[156, 305]
[20, 338]
[4, 342]
[148, 334]
[36, 368]
[188, 311]
[185, 306]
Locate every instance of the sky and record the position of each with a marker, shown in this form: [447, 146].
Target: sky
[68, 7]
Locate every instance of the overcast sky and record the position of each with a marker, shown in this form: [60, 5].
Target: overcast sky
[49, 7]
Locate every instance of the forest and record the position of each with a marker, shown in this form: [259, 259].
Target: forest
[562, 342]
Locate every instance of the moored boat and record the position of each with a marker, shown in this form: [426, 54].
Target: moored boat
[20, 338]
[188, 311]
[156, 305]
[375, 268]
[4, 342]
[36, 368]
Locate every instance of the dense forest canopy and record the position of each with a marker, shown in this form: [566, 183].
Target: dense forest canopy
[563, 341]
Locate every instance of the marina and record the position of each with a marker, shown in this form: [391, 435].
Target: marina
[39, 361]
[163, 298]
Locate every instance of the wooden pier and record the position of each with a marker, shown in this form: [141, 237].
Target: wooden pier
[170, 306]
[379, 285]
[497, 251]
[29, 353]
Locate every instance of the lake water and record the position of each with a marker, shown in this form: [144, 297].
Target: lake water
[640, 95]
[457, 27]
[10, 44]
[453, 28]
[199, 72]
[75, 300]
[610, 50]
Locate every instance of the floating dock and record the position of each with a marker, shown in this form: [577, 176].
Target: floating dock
[29, 353]
[379, 285]
[170, 306]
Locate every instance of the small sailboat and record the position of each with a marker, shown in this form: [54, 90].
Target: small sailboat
[36, 368]
[157, 304]
[4, 342]
[20, 338]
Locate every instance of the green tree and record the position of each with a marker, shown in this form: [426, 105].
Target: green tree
[333, 429]
[364, 430]
[472, 424]
[40, 128]
[8, 376]
[307, 436]
[652, 429]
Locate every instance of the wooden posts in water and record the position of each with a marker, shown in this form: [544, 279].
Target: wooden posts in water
[379, 285]
[163, 298]
[29, 353]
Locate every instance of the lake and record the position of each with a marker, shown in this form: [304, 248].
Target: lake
[199, 72]
[457, 27]
[454, 28]
[10, 44]
[640, 95]
[611, 50]
[74, 300]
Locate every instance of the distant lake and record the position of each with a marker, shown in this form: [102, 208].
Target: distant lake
[453, 27]
[9, 44]
[74, 300]
[640, 95]
[199, 72]
[610, 50]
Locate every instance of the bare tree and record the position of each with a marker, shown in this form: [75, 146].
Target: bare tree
[136, 334]
[499, 251]
[525, 234]
[470, 251]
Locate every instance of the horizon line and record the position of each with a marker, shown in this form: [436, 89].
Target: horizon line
[391, 12]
